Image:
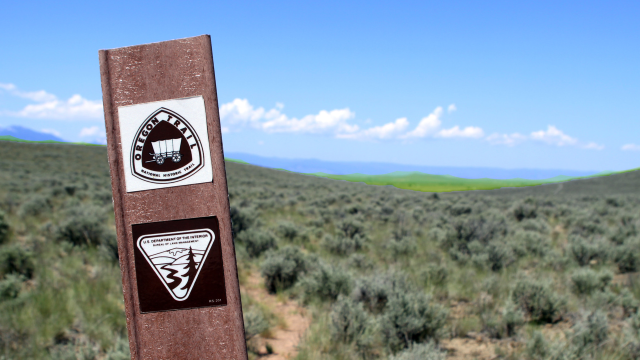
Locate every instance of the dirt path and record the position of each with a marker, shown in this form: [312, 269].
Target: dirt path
[284, 339]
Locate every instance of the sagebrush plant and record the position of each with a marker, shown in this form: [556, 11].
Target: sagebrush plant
[389, 262]
[410, 318]
[539, 300]
[586, 281]
[349, 320]
[4, 228]
[326, 282]
[256, 241]
[428, 351]
[282, 268]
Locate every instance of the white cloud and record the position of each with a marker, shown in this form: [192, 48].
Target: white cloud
[39, 96]
[593, 146]
[455, 132]
[553, 136]
[506, 139]
[323, 122]
[452, 108]
[48, 106]
[428, 126]
[51, 131]
[386, 131]
[240, 113]
[96, 134]
[90, 131]
[630, 147]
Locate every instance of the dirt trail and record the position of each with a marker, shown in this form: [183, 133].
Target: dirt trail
[466, 348]
[284, 339]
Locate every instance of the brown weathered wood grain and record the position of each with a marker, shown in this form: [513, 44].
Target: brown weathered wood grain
[153, 72]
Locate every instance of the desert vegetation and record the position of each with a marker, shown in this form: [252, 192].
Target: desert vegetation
[548, 272]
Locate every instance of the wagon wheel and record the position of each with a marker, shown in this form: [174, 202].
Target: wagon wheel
[160, 160]
[176, 158]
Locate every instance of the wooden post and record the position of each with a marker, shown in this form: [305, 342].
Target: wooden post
[179, 276]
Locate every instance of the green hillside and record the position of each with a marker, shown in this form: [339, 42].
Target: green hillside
[12, 138]
[440, 183]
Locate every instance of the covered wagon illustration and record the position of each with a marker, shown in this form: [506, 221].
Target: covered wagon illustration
[165, 149]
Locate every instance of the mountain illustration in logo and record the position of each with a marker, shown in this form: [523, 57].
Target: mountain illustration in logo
[177, 258]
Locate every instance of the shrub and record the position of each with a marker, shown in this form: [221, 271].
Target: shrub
[361, 262]
[482, 229]
[538, 300]
[109, 246]
[351, 228]
[341, 245]
[534, 243]
[628, 302]
[84, 225]
[254, 323]
[119, 351]
[349, 320]
[602, 300]
[34, 206]
[102, 197]
[588, 225]
[4, 228]
[14, 259]
[435, 274]
[411, 317]
[512, 317]
[282, 268]
[10, 286]
[401, 246]
[76, 349]
[428, 351]
[626, 229]
[590, 333]
[288, 230]
[525, 210]
[256, 242]
[374, 291]
[632, 334]
[499, 255]
[537, 347]
[537, 225]
[586, 281]
[326, 283]
[627, 256]
[461, 208]
[584, 251]
[240, 219]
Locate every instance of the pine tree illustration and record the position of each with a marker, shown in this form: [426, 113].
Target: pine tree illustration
[191, 273]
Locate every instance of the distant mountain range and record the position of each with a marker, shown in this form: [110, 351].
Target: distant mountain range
[320, 167]
[23, 133]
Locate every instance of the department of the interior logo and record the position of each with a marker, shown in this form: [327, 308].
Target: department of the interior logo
[166, 148]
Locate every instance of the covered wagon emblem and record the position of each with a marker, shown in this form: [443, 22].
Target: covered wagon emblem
[166, 148]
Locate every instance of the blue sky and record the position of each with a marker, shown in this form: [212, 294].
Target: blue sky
[544, 84]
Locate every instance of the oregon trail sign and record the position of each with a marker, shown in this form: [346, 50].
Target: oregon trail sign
[179, 277]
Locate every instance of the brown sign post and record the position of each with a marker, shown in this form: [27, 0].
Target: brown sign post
[179, 277]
